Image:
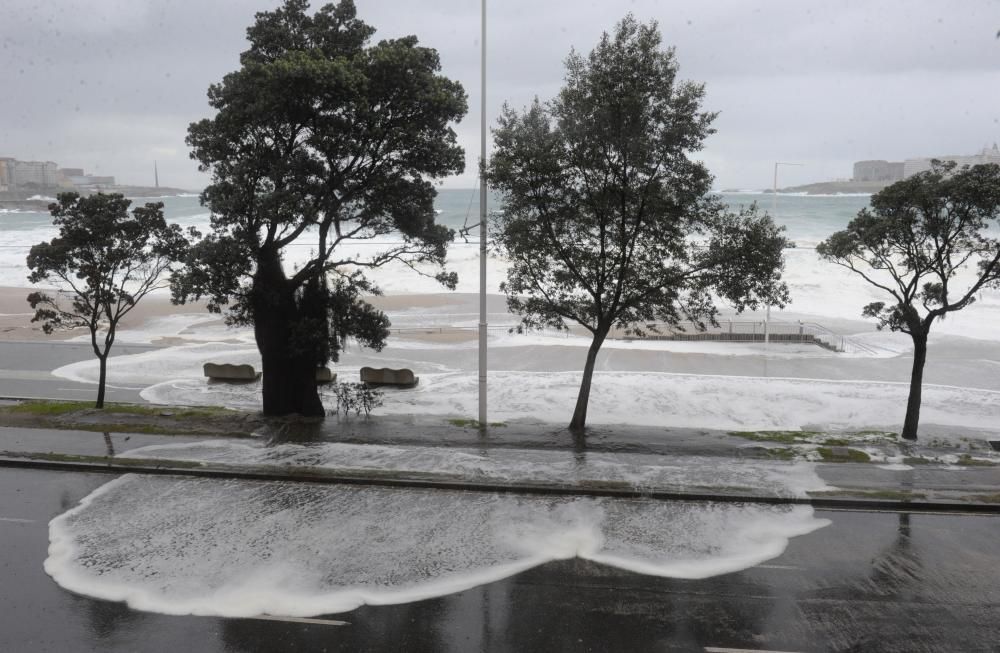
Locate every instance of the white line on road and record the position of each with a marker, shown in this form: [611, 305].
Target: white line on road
[716, 649]
[789, 567]
[17, 521]
[301, 620]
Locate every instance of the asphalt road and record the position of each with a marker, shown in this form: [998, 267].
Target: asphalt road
[26, 370]
[868, 582]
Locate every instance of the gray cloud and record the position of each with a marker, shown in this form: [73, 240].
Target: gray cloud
[112, 84]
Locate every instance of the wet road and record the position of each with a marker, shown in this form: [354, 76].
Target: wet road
[25, 371]
[867, 582]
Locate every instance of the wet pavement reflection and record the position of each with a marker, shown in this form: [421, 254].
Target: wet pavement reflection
[869, 582]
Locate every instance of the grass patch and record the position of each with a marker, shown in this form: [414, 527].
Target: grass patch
[466, 423]
[983, 498]
[888, 495]
[836, 442]
[781, 437]
[43, 408]
[106, 460]
[850, 456]
[129, 418]
[915, 460]
[774, 453]
[885, 434]
[968, 461]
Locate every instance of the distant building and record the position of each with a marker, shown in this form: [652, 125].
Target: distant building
[878, 170]
[29, 175]
[91, 182]
[71, 172]
[6, 174]
[987, 155]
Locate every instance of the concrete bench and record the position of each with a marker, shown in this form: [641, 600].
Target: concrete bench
[230, 372]
[402, 378]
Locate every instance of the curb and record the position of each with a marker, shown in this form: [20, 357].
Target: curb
[828, 503]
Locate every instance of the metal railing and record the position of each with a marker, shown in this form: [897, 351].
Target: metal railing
[727, 331]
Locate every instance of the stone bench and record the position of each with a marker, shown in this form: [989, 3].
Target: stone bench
[402, 378]
[230, 372]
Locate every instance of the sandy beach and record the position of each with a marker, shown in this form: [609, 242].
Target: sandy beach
[535, 376]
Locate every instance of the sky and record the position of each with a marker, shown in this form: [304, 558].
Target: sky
[111, 85]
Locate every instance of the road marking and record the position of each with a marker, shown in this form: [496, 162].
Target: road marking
[716, 649]
[17, 521]
[789, 567]
[301, 620]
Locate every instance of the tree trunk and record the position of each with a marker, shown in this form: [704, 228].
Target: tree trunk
[916, 383]
[579, 421]
[289, 364]
[101, 380]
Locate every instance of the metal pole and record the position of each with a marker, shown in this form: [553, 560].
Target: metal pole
[767, 326]
[482, 234]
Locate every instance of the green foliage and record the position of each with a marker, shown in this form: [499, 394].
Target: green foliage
[104, 261]
[356, 397]
[917, 236]
[320, 138]
[602, 207]
[912, 244]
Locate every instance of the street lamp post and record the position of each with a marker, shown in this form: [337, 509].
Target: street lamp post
[774, 209]
[482, 233]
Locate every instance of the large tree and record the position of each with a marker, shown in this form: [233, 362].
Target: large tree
[929, 242]
[320, 139]
[607, 222]
[102, 262]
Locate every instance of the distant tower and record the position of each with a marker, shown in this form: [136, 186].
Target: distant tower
[156, 174]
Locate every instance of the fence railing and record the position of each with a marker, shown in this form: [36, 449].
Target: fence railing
[778, 331]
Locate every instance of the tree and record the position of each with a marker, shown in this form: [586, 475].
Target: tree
[105, 260]
[320, 139]
[602, 206]
[926, 242]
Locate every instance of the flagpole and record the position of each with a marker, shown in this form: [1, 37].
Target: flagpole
[482, 233]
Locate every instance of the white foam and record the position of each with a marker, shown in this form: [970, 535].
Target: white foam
[240, 548]
[648, 472]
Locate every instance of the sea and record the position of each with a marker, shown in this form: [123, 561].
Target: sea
[807, 220]
[821, 292]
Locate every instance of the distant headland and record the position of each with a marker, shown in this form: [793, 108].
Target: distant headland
[31, 184]
[874, 175]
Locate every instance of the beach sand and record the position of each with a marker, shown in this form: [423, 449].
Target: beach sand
[16, 314]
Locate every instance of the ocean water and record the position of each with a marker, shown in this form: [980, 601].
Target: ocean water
[807, 221]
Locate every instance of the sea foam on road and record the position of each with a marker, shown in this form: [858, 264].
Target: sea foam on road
[243, 548]
[647, 472]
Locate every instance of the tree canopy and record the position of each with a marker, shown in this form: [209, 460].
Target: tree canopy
[606, 221]
[930, 243]
[102, 262]
[320, 138]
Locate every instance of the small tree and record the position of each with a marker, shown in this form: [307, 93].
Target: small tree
[606, 222]
[103, 261]
[926, 242]
[320, 139]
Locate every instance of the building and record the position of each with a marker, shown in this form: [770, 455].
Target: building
[31, 175]
[878, 170]
[91, 182]
[6, 174]
[987, 155]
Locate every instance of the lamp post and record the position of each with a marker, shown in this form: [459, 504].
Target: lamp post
[774, 209]
[482, 232]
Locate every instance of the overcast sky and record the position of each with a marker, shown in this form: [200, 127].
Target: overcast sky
[111, 85]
